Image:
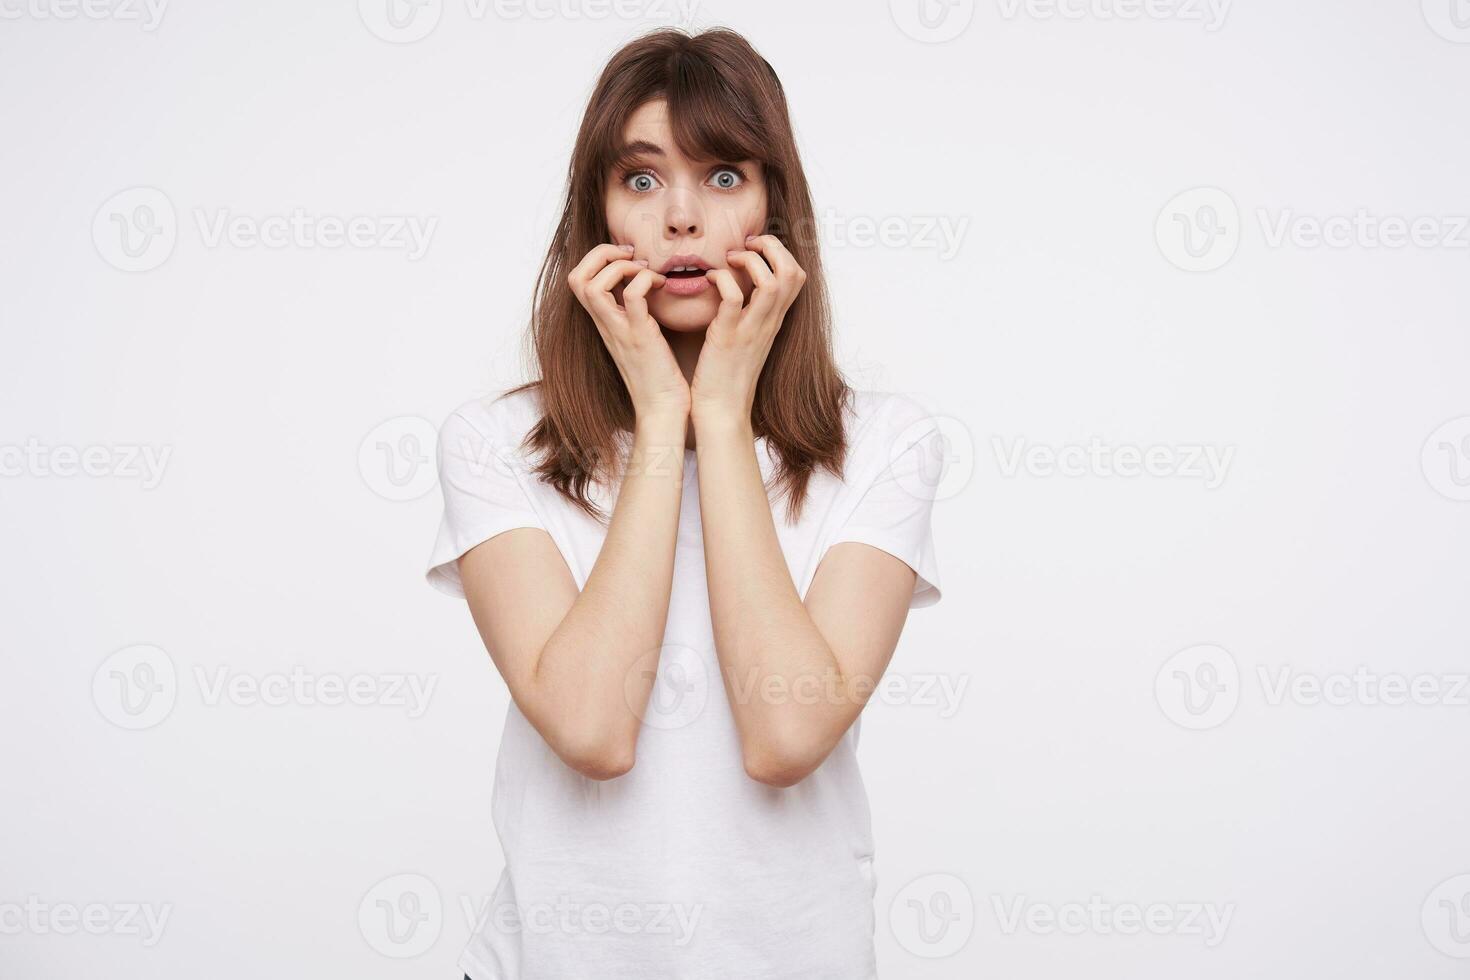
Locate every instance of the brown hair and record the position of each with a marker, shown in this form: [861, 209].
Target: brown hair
[724, 102]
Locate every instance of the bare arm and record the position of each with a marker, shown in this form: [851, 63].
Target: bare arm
[580, 665]
[797, 675]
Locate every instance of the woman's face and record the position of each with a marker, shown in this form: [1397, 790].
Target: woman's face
[668, 206]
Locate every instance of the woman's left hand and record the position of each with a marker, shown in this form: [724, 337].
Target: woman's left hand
[740, 336]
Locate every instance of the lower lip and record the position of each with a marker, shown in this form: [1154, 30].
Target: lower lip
[692, 286]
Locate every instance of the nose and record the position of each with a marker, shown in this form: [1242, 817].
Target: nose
[683, 217]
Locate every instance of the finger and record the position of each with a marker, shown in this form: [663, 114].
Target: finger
[600, 288]
[594, 261]
[635, 294]
[766, 285]
[779, 257]
[731, 298]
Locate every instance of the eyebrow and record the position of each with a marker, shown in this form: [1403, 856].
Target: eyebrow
[639, 147]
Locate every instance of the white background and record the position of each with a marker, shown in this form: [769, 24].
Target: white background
[1075, 768]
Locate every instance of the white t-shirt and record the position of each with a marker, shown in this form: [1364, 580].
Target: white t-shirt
[684, 867]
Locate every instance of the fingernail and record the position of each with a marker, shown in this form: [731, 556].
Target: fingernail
[640, 261]
[626, 248]
[749, 238]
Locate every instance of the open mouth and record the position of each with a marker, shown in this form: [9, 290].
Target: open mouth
[685, 273]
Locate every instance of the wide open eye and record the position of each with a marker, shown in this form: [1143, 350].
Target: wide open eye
[728, 178]
[639, 181]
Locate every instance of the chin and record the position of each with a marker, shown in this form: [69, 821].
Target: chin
[684, 314]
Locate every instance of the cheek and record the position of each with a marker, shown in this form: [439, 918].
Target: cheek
[630, 224]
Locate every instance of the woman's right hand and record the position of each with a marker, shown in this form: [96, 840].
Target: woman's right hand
[635, 340]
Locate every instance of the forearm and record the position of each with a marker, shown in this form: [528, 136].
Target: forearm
[783, 682]
[599, 664]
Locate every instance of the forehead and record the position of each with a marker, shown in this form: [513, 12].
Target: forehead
[647, 130]
[648, 120]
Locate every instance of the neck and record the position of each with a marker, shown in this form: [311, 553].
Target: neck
[686, 345]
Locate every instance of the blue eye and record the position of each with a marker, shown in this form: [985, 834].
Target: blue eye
[639, 181]
[732, 172]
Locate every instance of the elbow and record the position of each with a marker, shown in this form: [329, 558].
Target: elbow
[773, 765]
[599, 759]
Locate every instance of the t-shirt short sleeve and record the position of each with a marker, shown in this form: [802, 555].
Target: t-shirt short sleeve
[894, 508]
[480, 479]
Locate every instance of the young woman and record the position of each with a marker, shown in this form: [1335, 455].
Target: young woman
[677, 792]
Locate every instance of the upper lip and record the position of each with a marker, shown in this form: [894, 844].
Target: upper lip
[690, 260]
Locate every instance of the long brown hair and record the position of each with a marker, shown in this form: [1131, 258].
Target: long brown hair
[724, 102]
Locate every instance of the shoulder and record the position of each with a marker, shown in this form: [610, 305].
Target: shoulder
[503, 416]
[887, 423]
